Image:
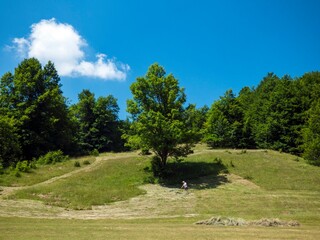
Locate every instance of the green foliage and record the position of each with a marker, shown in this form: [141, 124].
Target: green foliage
[276, 115]
[224, 124]
[52, 157]
[156, 166]
[32, 97]
[98, 124]
[10, 151]
[94, 152]
[195, 120]
[24, 166]
[311, 136]
[159, 119]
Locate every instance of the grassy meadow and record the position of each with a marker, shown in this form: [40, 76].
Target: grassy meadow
[111, 198]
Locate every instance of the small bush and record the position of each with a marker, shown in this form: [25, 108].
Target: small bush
[149, 179]
[53, 157]
[23, 166]
[77, 164]
[94, 152]
[86, 162]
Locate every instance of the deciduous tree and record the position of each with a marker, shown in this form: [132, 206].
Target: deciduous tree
[158, 119]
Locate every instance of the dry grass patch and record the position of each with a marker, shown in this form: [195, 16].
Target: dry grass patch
[264, 222]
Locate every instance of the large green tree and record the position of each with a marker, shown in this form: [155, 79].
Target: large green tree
[98, 123]
[32, 96]
[273, 114]
[224, 124]
[158, 115]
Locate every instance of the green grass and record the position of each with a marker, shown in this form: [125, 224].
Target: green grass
[278, 171]
[41, 173]
[178, 229]
[273, 185]
[285, 189]
[113, 180]
[270, 170]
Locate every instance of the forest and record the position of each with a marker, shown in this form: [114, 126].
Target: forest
[281, 113]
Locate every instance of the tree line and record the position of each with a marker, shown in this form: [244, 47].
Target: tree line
[35, 118]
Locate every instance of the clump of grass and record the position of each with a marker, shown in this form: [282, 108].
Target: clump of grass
[76, 164]
[231, 164]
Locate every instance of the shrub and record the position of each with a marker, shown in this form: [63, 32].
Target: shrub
[23, 166]
[149, 179]
[77, 164]
[94, 152]
[52, 157]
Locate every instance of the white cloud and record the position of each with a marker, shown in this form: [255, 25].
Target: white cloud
[103, 69]
[62, 44]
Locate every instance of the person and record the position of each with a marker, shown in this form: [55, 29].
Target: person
[184, 185]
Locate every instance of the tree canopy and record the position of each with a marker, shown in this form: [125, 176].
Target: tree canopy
[158, 115]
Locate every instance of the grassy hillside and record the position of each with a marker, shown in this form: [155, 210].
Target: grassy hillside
[250, 184]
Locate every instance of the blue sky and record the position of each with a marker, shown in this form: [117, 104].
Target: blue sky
[209, 46]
